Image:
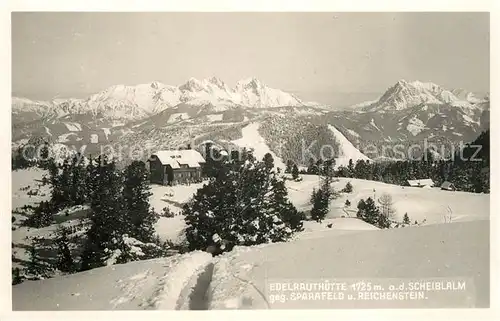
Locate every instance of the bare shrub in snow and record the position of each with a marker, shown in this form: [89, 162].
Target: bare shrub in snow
[386, 206]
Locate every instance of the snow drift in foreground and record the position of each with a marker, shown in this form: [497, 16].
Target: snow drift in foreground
[239, 279]
[456, 250]
[145, 285]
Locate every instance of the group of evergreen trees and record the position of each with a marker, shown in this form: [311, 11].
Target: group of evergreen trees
[121, 221]
[35, 153]
[245, 204]
[369, 212]
[70, 185]
[120, 212]
[469, 170]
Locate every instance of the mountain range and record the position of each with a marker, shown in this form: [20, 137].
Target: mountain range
[127, 103]
[163, 116]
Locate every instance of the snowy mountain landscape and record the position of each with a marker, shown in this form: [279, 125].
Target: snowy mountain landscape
[268, 122]
[251, 161]
[160, 115]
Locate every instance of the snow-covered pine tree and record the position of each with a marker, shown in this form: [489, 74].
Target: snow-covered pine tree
[91, 177]
[65, 262]
[283, 207]
[56, 184]
[322, 197]
[108, 223]
[406, 219]
[268, 161]
[320, 205]
[289, 166]
[350, 169]
[78, 181]
[383, 221]
[312, 167]
[43, 215]
[136, 192]
[368, 211]
[239, 208]
[66, 183]
[35, 268]
[327, 179]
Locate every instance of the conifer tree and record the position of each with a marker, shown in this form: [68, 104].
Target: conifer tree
[65, 182]
[319, 201]
[65, 262]
[108, 223]
[347, 188]
[406, 219]
[78, 181]
[136, 193]
[246, 206]
[350, 168]
[55, 182]
[368, 211]
[35, 268]
[295, 172]
[44, 156]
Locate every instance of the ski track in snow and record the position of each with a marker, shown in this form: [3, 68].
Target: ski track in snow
[177, 278]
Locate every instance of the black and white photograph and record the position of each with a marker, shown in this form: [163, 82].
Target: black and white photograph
[250, 160]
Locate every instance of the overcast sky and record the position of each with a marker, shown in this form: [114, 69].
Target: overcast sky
[319, 56]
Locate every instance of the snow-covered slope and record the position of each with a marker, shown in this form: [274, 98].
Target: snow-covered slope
[427, 206]
[459, 251]
[347, 150]
[153, 284]
[253, 140]
[242, 278]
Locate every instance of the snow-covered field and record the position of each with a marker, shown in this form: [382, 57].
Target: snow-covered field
[341, 247]
[420, 204]
[460, 250]
[171, 229]
[152, 284]
[32, 178]
[240, 279]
